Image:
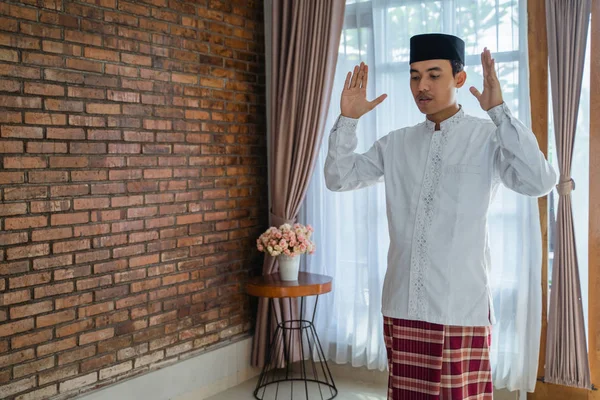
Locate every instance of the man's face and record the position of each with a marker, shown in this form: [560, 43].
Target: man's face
[432, 85]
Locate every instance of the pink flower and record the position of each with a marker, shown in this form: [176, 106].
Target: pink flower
[283, 243]
[261, 248]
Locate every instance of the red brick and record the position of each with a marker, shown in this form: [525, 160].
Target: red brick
[130, 275]
[44, 89]
[110, 266]
[11, 177]
[132, 301]
[87, 176]
[56, 347]
[19, 71]
[9, 24]
[13, 238]
[92, 230]
[69, 190]
[46, 147]
[127, 97]
[100, 54]
[69, 218]
[108, 188]
[127, 174]
[71, 246]
[121, 70]
[96, 309]
[119, 18]
[58, 374]
[11, 328]
[51, 234]
[98, 362]
[55, 318]
[13, 209]
[112, 318]
[70, 273]
[31, 339]
[45, 119]
[95, 134]
[136, 59]
[85, 284]
[88, 93]
[143, 260]
[109, 241]
[10, 298]
[50, 206]
[190, 219]
[33, 367]
[103, 108]
[11, 147]
[61, 48]
[24, 162]
[101, 80]
[51, 262]
[143, 236]
[124, 148]
[53, 290]
[96, 336]
[20, 102]
[91, 203]
[30, 309]
[21, 42]
[81, 120]
[11, 117]
[72, 301]
[35, 250]
[114, 292]
[84, 38]
[76, 355]
[65, 133]
[69, 162]
[128, 251]
[48, 176]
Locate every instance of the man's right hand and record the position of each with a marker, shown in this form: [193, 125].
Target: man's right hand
[354, 103]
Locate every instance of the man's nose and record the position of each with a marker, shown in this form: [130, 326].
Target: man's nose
[423, 85]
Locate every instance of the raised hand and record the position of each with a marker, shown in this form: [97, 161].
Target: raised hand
[492, 93]
[354, 103]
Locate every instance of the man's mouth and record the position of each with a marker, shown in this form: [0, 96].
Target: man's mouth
[423, 100]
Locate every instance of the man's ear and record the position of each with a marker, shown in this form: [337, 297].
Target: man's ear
[460, 79]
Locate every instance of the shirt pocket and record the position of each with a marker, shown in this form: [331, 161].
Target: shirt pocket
[464, 187]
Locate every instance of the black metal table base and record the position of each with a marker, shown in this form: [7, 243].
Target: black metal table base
[295, 363]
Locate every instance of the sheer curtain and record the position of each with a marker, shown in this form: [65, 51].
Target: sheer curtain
[351, 228]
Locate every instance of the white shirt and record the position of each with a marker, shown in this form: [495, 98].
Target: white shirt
[439, 186]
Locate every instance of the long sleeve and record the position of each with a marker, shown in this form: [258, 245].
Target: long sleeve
[519, 162]
[346, 170]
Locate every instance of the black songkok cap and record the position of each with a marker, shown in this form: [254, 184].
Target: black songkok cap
[436, 46]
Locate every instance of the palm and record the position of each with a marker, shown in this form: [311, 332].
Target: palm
[492, 93]
[354, 103]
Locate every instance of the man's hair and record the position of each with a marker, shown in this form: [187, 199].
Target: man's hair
[457, 67]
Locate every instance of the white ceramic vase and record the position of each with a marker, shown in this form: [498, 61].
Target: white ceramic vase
[288, 267]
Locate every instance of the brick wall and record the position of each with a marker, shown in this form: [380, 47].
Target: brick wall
[132, 146]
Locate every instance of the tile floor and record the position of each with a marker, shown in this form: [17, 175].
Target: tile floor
[349, 389]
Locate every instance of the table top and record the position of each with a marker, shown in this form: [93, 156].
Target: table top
[271, 286]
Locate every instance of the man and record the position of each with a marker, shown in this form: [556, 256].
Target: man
[440, 178]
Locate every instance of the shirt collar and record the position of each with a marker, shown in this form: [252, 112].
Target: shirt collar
[448, 122]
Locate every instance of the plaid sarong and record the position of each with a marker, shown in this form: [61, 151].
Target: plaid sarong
[436, 362]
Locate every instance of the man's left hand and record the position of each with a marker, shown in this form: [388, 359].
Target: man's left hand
[492, 93]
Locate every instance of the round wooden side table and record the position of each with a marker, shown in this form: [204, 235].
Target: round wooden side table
[295, 342]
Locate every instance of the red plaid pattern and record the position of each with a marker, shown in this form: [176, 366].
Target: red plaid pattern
[436, 362]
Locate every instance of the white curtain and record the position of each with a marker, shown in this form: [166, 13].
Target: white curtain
[351, 228]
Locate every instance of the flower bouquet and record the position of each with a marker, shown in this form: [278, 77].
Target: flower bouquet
[287, 243]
